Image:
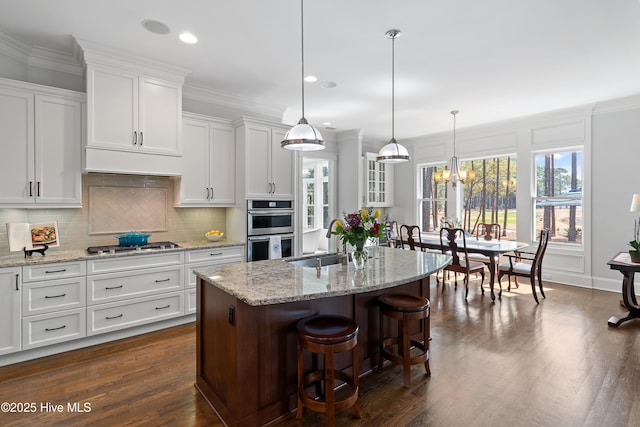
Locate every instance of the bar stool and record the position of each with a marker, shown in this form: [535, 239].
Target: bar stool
[404, 308]
[327, 335]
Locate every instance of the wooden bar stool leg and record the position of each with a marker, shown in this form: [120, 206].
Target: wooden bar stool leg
[300, 382]
[356, 381]
[406, 353]
[328, 388]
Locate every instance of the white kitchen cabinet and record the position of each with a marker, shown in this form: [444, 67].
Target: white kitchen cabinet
[131, 112]
[378, 181]
[43, 166]
[52, 328]
[124, 292]
[208, 174]
[268, 168]
[10, 310]
[204, 258]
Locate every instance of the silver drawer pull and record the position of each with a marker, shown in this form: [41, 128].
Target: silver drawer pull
[55, 296]
[161, 308]
[114, 317]
[216, 254]
[113, 287]
[55, 271]
[55, 329]
[163, 280]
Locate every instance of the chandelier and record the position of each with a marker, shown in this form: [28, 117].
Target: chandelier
[453, 172]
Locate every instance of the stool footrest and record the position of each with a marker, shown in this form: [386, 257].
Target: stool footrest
[397, 358]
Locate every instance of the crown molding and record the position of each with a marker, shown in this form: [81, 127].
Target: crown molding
[249, 106]
[40, 57]
[619, 104]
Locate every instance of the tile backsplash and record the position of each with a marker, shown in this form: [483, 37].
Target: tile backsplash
[119, 203]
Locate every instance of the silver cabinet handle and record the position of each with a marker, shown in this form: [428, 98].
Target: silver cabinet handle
[55, 296]
[135, 138]
[141, 138]
[55, 329]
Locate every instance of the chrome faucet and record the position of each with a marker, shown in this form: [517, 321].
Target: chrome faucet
[333, 221]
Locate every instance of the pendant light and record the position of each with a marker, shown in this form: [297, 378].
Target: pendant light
[456, 174]
[393, 152]
[303, 136]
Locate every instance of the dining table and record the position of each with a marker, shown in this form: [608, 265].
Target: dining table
[490, 248]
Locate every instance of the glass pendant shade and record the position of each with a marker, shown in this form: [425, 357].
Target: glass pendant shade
[635, 203]
[393, 153]
[303, 137]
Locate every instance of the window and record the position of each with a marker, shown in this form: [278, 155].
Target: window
[315, 180]
[488, 195]
[558, 195]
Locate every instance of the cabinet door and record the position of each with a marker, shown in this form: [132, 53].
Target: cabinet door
[10, 310]
[16, 135]
[378, 182]
[194, 184]
[160, 115]
[58, 150]
[223, 161]
[282, 164]
[257, 173]
[112, 109]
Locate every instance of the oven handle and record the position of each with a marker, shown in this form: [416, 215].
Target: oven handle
[265, 238]
[271, 212]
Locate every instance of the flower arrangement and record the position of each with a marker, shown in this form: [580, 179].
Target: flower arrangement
[358, 227]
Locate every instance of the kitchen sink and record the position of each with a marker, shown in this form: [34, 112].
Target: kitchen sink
[318, 261]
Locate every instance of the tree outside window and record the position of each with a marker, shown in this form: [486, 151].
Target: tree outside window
[558, 197]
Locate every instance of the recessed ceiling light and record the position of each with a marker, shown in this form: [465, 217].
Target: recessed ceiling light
[155, 27]
[326, 124]
[311, 79]
[188, 38]
[327, 85]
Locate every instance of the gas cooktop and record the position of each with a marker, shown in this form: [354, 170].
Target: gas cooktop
[95, 250]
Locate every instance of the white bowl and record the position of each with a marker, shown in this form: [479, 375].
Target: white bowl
[214, 237]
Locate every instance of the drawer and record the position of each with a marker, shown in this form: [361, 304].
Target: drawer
[134, 262]
[53, 295]
[103, 288]
[190, 301]
[225, 255]
[53, 328]
[59, 270]
[120, 315]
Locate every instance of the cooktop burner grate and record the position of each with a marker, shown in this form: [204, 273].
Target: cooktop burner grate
[93, 250]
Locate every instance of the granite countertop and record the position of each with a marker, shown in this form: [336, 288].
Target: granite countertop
[278, 281]
[55, 255]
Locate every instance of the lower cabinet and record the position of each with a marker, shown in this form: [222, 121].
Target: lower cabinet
[202, 258]
[53, 303]
[10, 310]
[135, 290]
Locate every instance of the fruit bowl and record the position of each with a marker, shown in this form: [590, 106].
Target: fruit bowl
[214, 237]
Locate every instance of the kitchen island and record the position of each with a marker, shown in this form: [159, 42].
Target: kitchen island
[246, 338]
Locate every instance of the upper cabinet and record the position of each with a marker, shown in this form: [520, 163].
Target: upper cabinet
[208, 173]
[134, 113]
[378, 181]
[268, 169]
[43, 128]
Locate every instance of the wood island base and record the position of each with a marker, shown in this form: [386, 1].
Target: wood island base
[246, 355]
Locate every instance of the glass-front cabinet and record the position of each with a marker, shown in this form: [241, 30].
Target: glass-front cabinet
[378, 182]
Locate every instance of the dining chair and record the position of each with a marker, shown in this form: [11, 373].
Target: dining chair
[454, 242]
[407, 240]
[487, 231]
[527, 264]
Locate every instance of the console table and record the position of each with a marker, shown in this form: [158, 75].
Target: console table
[622, 263]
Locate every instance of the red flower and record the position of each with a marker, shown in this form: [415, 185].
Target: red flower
[376, 228]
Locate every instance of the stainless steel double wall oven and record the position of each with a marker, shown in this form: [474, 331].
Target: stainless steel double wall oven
[267, 218]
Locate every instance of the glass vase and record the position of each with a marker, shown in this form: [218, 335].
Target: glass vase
[359, 255]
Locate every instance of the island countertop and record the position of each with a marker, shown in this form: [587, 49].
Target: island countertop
[278, 281]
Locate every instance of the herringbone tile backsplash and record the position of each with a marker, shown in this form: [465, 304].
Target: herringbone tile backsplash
[113, 204]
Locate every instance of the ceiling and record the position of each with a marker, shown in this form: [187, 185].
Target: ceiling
[491, 59]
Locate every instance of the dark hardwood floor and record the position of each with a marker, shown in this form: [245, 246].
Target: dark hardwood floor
[508, 363]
